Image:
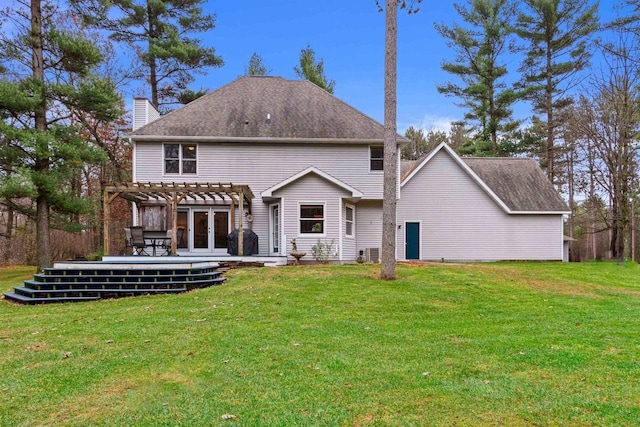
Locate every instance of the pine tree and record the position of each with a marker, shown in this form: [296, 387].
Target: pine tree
[256, 66]
[557, 33]
[421, 143]
[480, 48]
[390, 188]
[48, 79]
[312, 70]
[160, 32]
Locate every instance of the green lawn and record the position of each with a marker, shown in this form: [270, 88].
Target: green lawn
[514, 344]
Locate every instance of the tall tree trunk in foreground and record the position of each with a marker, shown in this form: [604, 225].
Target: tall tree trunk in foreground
[388, 262]
[43, 243]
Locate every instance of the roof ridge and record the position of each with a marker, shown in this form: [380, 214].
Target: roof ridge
[496, 158]
[344, 103]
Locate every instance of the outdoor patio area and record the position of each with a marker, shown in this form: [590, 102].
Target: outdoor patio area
[267, 261]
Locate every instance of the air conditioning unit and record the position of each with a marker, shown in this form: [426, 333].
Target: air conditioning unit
[372, 254]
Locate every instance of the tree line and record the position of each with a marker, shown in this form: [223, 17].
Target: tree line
[65, 65]
[63, 69]
[584, 122]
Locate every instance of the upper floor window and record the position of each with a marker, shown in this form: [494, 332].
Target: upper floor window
[180, 158]
[312, 219]
[376, 158]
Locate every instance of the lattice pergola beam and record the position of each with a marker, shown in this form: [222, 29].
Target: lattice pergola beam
[173, 193]
[145, 191]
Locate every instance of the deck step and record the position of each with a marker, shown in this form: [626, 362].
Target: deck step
[77, 293]
[50, 277]
[83, 283]
[28, 300]
[133, 285]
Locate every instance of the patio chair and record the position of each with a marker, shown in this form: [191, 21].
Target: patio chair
[179, 234]
[137, 240]
[166, 244]
[127, 238]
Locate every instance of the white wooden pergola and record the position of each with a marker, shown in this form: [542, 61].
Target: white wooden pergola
[173, 194]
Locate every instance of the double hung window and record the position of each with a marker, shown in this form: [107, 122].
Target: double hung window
[180, 159]
[311, 219]
[376, 158]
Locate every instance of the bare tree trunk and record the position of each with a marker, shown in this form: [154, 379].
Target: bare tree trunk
[8, 234]
[43, 244]
[550, 124]
[592, 202]
[570, 182]
[632, 230]
[153, 78]
[388, 262]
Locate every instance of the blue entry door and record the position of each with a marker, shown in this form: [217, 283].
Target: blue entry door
[412, 240]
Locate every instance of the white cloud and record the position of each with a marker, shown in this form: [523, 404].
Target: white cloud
[429, 122]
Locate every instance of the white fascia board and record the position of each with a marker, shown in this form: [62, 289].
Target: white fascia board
[540, 212]
[421, 165]
[268, 193]
[164, 138]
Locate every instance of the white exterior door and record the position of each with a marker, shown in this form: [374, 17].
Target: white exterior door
[274, 230]
[220, 231]
[201, 230]
[209, 231]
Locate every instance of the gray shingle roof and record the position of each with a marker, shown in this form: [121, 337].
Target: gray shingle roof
[267, 107]
[519, 183]
[406, 166]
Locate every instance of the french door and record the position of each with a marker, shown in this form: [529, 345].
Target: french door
[208, 230]
[201, 230]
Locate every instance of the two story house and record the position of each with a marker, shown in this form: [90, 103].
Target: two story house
[313, 169]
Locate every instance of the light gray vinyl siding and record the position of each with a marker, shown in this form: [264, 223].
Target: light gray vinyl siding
[262, 166]
[461, 222]
[368, 224]
[312, 189]
[143, 112]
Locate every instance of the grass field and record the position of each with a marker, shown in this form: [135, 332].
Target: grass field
[513, 344]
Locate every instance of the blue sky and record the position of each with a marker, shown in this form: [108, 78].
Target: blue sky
[349, 36]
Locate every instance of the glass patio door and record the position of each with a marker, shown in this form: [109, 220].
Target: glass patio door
[183, 224]
[201, 228]
[220, 231]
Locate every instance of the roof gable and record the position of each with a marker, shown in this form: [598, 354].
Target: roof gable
[266, 108]
[268, 193]
[518, 185]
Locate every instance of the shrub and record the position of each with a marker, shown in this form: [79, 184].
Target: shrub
[322, 251]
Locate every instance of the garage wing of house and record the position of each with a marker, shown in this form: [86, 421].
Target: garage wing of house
[478, 209]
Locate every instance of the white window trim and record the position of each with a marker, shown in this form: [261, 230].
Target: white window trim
[280, 249]
[376, 170]
[353, 221]
[179, 144]
[324, 219]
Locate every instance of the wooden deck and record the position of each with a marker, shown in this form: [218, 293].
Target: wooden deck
[268, 261]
